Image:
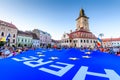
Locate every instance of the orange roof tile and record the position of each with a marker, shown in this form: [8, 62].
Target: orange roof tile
[110, 39]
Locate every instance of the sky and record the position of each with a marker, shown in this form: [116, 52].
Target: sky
[59, 16]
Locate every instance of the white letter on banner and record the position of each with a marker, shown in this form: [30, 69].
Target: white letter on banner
[25, 59]
[38, 63]
[62, 70]
[81, 74]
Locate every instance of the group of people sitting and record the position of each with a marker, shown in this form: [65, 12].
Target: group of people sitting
[112, 50]
[6, 51]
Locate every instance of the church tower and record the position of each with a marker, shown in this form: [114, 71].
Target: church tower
[82, 21]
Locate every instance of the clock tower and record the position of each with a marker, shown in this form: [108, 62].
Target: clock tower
[82, 21]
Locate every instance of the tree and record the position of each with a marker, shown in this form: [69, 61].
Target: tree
[101, 35]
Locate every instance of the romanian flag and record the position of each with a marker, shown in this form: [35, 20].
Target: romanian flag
[99, 42]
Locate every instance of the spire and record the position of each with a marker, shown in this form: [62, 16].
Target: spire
[82, 13]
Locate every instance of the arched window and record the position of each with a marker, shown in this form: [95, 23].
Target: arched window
[81, 41]
[84, 41]
[25, 40]
[13, 35]
[2, 34]
[67, 41]
[87, 41]
[13, 40]
[91, 41]
[22, 40]
[74, 41]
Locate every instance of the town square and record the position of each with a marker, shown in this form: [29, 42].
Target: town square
[59, 40]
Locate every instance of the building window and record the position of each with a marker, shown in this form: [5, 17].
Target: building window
[2, 34]
[74, 41]
[13, 40]
[87, 41]
[81, 41]
[67, 41]
[84, 41]
[13, 35]
[25, 40]
[22, 40]
[91, 41]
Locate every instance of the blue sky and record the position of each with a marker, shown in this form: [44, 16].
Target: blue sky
[58, 16]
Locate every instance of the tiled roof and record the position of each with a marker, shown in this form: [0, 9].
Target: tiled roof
[110, 39]
[34, 36]
[82, 34]
[22, 33]
[7, 24]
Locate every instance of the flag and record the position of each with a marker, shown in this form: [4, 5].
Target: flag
[99, 42]
[7, 37]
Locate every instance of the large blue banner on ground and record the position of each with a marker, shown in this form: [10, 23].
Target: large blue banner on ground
[65, 64]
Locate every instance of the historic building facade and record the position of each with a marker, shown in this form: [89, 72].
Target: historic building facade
[44, 37]
[35, 40]
[9, 32]
[24, 39]
[111, 42]
[81, 37]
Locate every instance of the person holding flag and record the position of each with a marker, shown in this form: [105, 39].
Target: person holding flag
[99, 42]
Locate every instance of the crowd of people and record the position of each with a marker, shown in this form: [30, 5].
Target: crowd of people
[111, 50]
[6, 51]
